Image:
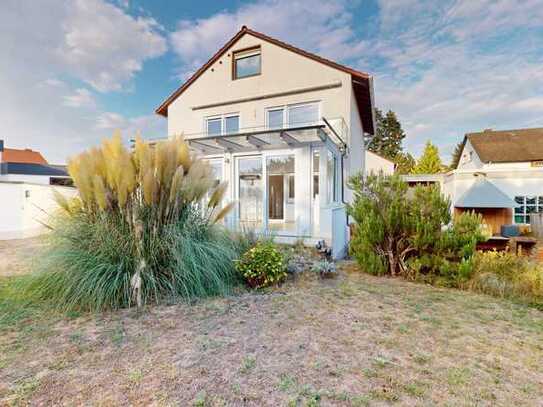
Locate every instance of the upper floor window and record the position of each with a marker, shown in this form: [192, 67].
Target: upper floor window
[226, 124]
[246, 63]
[303, 115]
[297, 115]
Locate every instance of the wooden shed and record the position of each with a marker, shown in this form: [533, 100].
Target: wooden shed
[485, 198]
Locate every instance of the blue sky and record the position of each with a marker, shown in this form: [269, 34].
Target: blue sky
[88, 67]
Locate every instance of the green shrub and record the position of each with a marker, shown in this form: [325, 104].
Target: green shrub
[139, 230]
[503, 274]
[399, 231]
[394, 223]
[262, 265]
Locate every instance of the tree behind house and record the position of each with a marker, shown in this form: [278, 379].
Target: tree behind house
[389, 135]
[404, 163]
[455, 159]
[429, 162]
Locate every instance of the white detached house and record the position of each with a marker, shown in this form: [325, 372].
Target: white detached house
[285, 128]
[499, 175]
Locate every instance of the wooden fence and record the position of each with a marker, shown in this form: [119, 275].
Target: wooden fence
[536, 222]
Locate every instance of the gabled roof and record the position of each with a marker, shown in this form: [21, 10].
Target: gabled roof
[361, 81]
[484, 194]
[27, 156]
[502, 146]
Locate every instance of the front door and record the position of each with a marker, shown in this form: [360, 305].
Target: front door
[275, 197]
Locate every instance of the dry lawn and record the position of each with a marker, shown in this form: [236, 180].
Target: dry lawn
[353, 341]
[15, 255]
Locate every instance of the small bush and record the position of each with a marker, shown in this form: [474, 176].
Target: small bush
[503, 274]
[262, 265]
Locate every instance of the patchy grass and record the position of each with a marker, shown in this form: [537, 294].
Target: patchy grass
[356, 340]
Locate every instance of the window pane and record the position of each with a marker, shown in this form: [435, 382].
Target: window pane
[214, 127]
[315, 185]
[291, 187]
[216, 170]
[316, 162]
[250, 192]
[519, 209]
[247, 66]
[275, 119]
[530, 200]
[231, 125]
[519, 199]
[541, 201]
[530, 209]
[281, 202]
[519, 219]
[303, 115]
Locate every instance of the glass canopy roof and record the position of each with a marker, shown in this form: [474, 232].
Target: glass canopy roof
[267, 139]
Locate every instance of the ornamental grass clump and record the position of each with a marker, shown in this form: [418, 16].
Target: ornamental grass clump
[506, 275]
[138, 231]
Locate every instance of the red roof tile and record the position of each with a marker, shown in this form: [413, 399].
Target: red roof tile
[12, 155]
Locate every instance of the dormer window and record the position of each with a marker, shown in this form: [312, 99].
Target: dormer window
[246, 63]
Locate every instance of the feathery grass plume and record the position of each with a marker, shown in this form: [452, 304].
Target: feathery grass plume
[61, 201]
[113, 150]
[177, 182]
[183, 153]
[100, 192]
[217, 195]
[223, 212]
[149, 187]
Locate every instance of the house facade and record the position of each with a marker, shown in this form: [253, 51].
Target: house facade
[285, 128]
[499, 174]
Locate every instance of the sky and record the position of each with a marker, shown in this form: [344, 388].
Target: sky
[73, 71]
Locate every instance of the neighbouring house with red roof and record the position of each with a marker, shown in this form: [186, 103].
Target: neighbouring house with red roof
[27, 183]
[26, 165]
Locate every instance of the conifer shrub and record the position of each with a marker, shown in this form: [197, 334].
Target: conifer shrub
[401, 231]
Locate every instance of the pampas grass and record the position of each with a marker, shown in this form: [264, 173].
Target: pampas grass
[138, 231]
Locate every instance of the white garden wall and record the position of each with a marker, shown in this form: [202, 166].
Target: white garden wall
[24, 207]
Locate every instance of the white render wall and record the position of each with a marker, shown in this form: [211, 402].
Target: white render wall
[375, 163]
[33, 179]
[24, 206]
[281, 71]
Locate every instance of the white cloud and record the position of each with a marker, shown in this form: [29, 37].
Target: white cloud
[321, 26]
[458, 66]
[49, 48]
[80, 98]
[104, 46]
